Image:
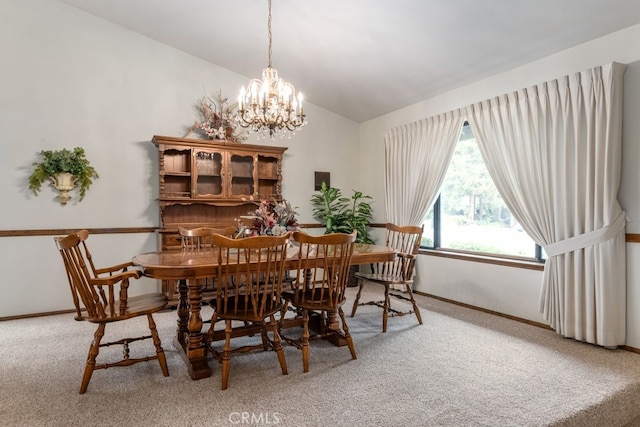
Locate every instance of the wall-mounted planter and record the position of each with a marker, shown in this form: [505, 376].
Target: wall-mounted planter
[66, 170]
[63, 182]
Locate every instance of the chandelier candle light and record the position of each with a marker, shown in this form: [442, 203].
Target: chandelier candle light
[270, 106]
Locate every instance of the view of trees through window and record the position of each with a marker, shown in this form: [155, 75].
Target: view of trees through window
[473, 216]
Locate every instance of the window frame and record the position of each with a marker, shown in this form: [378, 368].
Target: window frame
[535, 263]
[527, 262]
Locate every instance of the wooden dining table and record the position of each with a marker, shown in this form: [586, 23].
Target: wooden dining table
[187, 267]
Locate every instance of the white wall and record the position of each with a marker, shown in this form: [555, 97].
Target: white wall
[70, 79]
[505, 289]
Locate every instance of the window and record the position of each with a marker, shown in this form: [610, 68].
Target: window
[469, 214]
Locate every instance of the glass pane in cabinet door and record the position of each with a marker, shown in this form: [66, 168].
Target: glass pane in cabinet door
[209, 179]
[242, 175]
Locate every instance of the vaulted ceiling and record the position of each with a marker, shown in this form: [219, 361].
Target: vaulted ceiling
[365, 58]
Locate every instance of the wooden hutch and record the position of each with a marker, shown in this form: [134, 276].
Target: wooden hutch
[210, 183]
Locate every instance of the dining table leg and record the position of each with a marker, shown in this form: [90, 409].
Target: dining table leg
[320, 322]
[190, 342]
[183, 313]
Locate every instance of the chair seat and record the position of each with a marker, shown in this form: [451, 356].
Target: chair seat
[135, 306]
[383, 279]
[309, 301]
[245, 312]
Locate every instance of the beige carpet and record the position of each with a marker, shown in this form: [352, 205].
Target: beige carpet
[461, 368]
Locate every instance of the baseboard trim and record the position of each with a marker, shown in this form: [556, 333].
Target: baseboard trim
[32, 315]
[507, 316]
[631, 349]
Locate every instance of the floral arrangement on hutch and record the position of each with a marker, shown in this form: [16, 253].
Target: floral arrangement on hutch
[270, 218]
[217, 121]
[66, 169]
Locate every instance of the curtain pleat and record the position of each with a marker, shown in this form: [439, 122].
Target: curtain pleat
[554, 153]
[417, 156]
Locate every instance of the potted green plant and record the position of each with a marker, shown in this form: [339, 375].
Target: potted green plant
[343, 214]
[65, 169]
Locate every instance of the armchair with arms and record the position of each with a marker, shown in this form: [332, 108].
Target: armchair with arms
[100, 295]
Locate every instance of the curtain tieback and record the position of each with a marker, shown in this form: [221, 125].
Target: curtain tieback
[589, 238]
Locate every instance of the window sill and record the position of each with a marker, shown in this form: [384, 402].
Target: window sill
[485, 259]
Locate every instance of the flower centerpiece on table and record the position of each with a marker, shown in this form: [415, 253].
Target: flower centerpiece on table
[216, 120]
[271, 218]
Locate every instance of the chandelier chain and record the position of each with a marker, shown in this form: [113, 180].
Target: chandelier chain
[270, 35]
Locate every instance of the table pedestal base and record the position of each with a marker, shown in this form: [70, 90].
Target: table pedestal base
[198, 366]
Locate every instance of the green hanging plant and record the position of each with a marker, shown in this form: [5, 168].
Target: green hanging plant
[60, 161]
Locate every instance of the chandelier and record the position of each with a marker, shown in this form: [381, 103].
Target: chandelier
[270, 106]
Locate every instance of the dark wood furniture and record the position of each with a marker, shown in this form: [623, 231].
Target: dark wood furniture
[249, 283]
[320, 286]
[200, 240]
[103, 294]
[184, 268]
[397, 272]
[205, 183]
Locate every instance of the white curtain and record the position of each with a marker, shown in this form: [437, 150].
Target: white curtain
[554, 153]
[416, 159]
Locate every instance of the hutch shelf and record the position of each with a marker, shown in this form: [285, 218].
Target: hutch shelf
[210, 183]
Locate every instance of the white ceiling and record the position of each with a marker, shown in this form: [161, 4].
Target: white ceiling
[365, 58]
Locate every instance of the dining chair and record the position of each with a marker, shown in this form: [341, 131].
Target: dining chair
[198, 241]
[399, 272]
[319, 289]
[100, 295]
[248, 288]
[194, 240]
